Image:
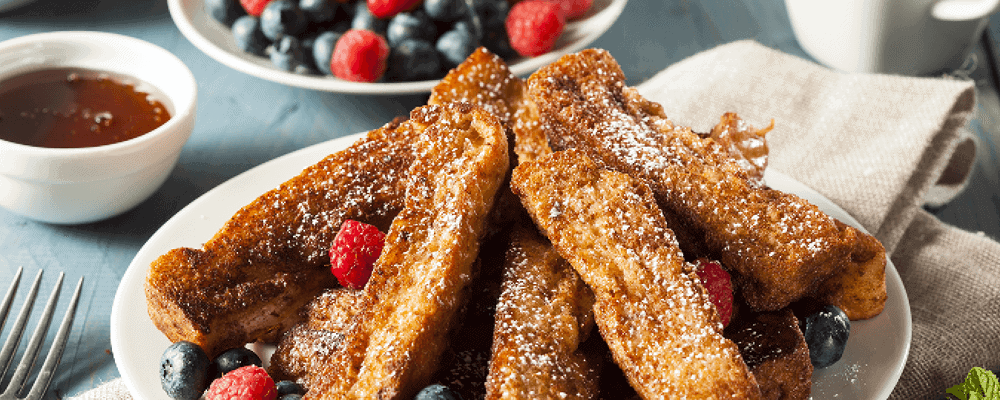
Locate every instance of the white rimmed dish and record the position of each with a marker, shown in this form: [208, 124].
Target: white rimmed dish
[80, 185]
[216, 40]
[869, 369]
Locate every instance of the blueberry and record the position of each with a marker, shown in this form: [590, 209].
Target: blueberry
[446, 10]
[224, 11]
[496, 40]
[319, 11]
[289, 387]
[248, 35]
[470, 26]
[456, 45]
[287, 55]
[291, 397]
[234, 358]
[492, 16]
[410, 25]
[308, 62]
[826, 332]
[414, 60]
[281, 18]
[322, 50]
[492, 10]
[437, 392]
[363, 19]
[184, 371]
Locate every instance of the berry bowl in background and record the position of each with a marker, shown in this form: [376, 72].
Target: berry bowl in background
[217, 41]
[86, 184]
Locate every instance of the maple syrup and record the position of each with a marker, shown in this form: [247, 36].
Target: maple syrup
[74, 107]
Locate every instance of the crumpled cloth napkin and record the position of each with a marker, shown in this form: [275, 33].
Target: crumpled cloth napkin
[878, 146]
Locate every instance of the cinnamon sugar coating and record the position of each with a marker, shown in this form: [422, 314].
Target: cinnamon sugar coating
[858, 288]
[544, 314]
[300, 352]
[416, 325]
[781, 247]
[650, 306]
[391, 347]
[485, 80]
[250, 279]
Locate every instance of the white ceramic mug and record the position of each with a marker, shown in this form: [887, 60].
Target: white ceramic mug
[908, 37]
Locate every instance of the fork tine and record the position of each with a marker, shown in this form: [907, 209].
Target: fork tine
[31, 352]
[9, 297]
[48, 370]
[7, 354]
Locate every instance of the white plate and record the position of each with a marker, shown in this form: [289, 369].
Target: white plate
[216, 40]
[869, 369]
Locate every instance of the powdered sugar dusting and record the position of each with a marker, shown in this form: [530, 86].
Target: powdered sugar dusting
[780, 240]
[651, 309]
[418, 282]
[544, 313]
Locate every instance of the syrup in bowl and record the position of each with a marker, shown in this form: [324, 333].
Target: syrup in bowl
[75, 107]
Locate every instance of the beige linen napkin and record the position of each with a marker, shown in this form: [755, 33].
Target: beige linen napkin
[876, 146]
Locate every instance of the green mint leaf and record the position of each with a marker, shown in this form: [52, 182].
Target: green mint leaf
[980, 384]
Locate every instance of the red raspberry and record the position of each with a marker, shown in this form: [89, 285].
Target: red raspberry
[360, 56]
[386, 9]
[574, 9]
[245, 383]
[254, 7]
[719, 285]
[354, 252]
[534, 26]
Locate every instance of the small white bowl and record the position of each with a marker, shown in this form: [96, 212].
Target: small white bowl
[80, 185]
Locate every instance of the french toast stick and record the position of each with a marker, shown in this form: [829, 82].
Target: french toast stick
[392, 346]
[858, 288]
[544, 314]
[465, 364]
[774, 348]
[463, 368]
[296, 355]
[484, 79]
[779, 247]
[650, 308]
[249, 281]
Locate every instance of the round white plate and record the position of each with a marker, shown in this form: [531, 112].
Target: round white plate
[216, 40]
[869, 369]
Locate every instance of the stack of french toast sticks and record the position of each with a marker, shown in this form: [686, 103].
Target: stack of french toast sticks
[560, 213]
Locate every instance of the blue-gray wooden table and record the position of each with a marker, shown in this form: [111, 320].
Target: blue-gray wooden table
[244, 121]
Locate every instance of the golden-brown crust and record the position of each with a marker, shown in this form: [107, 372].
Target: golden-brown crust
[780, 246]
[297, 356]
[776, 352]
[249, 280]
[650, 308]
[858, 288]
[391, 348]
[744, 143]
[269, 259]
[485, 80]
[465, 364]
[544, 314]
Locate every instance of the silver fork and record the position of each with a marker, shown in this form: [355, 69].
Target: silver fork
[45, 375]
